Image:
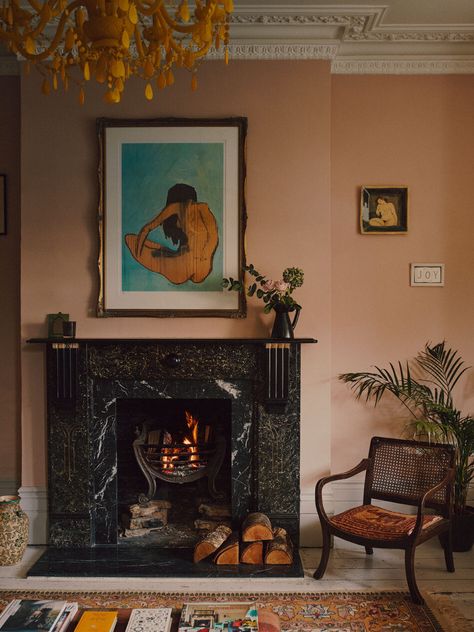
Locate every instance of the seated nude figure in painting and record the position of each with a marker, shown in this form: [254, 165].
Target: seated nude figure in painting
[386, 215]
[191, 226]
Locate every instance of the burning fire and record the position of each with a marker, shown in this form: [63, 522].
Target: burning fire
[187, 453]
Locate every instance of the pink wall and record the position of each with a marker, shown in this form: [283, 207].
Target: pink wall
[287, 197]
[416, 131]
[357, 300]
[10, 284]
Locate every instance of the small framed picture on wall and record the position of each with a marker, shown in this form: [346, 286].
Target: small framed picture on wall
[3, 205]
[384, 210]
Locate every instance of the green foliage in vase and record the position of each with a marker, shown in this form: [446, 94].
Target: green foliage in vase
[271, 292]
[429, 399]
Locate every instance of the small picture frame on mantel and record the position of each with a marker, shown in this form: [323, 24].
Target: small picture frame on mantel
[56, 324]
[384, 210]
[3, 204]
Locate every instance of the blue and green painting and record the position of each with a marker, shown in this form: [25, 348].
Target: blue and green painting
[172, 216]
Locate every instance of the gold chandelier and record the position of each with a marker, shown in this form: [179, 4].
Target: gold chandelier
[112, 40]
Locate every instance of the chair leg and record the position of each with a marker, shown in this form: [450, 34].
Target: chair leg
[319, 572]
[410, 573]
[447, 543]
[369, 550]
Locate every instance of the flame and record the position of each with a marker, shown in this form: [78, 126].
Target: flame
[172, 454]
[169, 455]
[193, 425]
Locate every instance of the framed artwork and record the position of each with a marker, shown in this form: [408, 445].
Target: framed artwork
[427, 274]
[3, 205]
[171, 216]
[384, 210]
[56, 324]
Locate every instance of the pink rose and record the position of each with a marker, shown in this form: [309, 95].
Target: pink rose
[268, 286]
[281, 286]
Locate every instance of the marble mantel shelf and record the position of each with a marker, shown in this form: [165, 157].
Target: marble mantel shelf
[230, 341]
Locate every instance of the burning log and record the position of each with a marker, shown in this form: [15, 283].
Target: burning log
[229, 551]
[211, 542]
[280, 549]
[252, 553]
[180, 457]
[256, 526]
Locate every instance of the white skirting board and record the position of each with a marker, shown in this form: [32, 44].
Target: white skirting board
[337, 497]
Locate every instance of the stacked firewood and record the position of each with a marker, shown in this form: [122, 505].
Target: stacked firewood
[211, 516]
[260, 543]
[141, 519]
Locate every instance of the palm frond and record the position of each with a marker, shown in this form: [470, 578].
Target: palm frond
[429, 400]
[444, 366]
[373, 385]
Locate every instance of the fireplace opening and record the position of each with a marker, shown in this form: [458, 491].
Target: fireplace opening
[173, 469]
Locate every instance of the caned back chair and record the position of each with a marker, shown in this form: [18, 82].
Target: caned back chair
[405, 472]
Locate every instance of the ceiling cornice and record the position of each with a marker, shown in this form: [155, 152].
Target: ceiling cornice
[357, 38]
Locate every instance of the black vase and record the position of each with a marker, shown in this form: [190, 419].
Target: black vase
[282, 326]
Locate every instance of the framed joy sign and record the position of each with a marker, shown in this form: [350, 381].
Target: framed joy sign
[171, 216]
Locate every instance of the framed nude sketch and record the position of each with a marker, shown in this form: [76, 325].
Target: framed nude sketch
[383, 210]
[171, 216]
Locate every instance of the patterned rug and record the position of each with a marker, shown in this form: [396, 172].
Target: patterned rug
[301, 612]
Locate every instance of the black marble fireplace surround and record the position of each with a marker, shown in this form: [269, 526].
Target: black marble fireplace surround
[85, 381]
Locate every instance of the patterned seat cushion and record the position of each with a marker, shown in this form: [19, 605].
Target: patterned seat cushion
[375, 523]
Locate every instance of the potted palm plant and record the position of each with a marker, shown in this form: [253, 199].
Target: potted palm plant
[429, 399]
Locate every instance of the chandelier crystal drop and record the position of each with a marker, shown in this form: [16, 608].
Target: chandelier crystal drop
[111, 40]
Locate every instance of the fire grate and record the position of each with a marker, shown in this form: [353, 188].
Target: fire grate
[162, 457]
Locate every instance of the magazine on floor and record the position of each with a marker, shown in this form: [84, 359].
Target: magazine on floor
[66, 616]
[227, 617]
[97, 621]
[25, 615]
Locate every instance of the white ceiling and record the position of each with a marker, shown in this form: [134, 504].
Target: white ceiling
[395, 36]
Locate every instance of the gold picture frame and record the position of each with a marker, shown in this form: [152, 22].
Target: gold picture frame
[171, 217]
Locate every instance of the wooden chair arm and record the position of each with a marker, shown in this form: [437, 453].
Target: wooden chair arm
[363, 465]
[426, 496]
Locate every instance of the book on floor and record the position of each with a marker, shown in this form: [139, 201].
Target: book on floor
[149, 620]
[227, 617]
[26, 615]
[8, 608]
[97, 621]
[66, 616]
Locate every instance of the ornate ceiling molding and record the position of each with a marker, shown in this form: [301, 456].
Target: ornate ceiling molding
[361, 27]
[359, 36]
[279, 51]
[401, 67]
